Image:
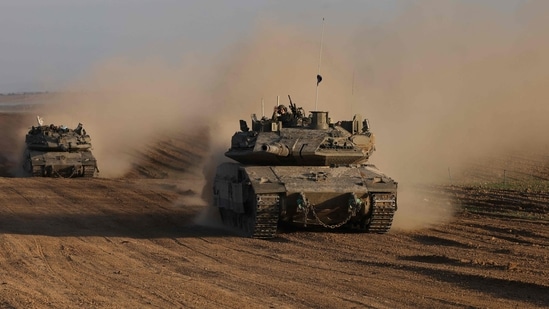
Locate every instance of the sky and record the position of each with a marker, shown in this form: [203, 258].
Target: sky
[46, 44]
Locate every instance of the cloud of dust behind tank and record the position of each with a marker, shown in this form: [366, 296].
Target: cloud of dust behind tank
[452, 84]
[125, 104]
[12, 146]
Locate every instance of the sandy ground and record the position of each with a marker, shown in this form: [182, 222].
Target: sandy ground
[147, 240]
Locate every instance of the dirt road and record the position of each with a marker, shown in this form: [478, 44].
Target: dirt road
[135, 243]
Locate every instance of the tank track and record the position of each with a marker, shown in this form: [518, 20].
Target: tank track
[266, 218]
[261, 223]
[89, 171]
[37, 171]
[382, 216]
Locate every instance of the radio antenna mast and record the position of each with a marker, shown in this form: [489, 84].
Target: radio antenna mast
[318, 76]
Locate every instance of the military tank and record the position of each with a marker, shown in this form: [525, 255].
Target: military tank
[303, 170]
[57, 151]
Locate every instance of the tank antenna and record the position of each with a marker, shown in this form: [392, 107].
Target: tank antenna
[353, 91]
[318, 76]
[353, 84]
[262, 108]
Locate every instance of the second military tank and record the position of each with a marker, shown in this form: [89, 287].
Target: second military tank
[57, 151]
[303, 170]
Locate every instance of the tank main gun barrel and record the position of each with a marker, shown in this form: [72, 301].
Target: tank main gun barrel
[278, 149]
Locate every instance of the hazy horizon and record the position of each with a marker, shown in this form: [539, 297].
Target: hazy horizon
[48, 44]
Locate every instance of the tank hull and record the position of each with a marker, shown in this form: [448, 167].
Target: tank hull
[254, 199]
[60, 163]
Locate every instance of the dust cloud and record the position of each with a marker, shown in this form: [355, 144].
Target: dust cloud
[443, 84]
[452, 84]
[126, 103]
[12, 145]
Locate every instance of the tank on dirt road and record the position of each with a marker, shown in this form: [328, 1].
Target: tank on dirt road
[57, 151]
[303, 170]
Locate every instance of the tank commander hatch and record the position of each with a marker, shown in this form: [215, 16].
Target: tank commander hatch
[282, 114]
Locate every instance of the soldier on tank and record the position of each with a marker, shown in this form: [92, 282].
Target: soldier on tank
[79, 129]
[282, 114]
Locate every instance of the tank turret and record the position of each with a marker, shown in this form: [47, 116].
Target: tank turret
[296, 140]
[305, 170]
[57, 151]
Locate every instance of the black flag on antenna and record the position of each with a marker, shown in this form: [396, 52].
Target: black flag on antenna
[318, 79]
